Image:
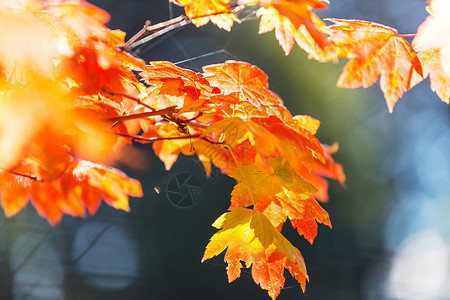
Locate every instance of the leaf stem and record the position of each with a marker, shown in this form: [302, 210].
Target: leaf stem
[166, 111]
[156, 139]
[407, 35]
[37, 179]
[137, 100]
[151, 140]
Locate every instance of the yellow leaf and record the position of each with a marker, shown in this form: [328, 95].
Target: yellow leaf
[251, 237]
[256, 183]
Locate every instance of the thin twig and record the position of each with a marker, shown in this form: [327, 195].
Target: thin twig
[197, 125]
[151, 140]
[137, 100]
[35, 178]
[407, 35]
[150, 32]
[157, 29]
[162, 112]
[166, 113]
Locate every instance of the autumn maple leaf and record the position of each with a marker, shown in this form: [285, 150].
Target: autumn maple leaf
[104, 60]
[85, 46]
[433, 45]
[302, 209]
[81, 186]
[83, 99]
[251, 237]
[322, 170]
[249, 83]
[240, 77]
[77, 19]
[279, 192]
[183, 88]
[300, 146]
[202, 11]
[45, 123]
[210, 153]
[306, 122]
[167, 150]
[374, 50]
[295, 21]
[257, 183]
[234, 131]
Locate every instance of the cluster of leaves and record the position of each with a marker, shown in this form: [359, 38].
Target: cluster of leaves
[373, 50]
[71, 97]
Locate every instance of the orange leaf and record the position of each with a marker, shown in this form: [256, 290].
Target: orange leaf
[65, 50]
[304, 211]
[432, 66]
[243, 78]
[374, 50]
[32, 116]
[320, 169]
[300, 146]
[158, 72]
[171, 80]
[15, 196]
[294, 21]
[80, 18]
[217, 154]
[433, 45]
[90, 141]
[250, 237]
[330, 169]
[202, 11]
[256, 183]
[167, 150]
[102, 58]
[89, 58]
[284, 29]
[81, 186]
[306, 122]
[279, 192]
[249, 82]
[234, 131]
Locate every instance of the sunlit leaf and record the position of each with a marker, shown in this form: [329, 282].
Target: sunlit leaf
[202, 11]
[257, 183]
[374, 51]
[81, 186]
[295, 21]
[433, 45]
[249, 236]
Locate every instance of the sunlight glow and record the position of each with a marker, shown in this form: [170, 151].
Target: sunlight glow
[420, 268]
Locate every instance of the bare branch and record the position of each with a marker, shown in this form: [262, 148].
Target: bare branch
[162, 112]
[150, 32]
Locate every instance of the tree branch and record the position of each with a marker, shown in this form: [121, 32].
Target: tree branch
[151, 140]
[162, 112]
[149, 32]
[137, 100]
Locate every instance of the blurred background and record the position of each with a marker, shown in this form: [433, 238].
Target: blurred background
[391, 225]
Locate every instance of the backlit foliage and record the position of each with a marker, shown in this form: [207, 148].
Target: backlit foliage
[70, 100]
